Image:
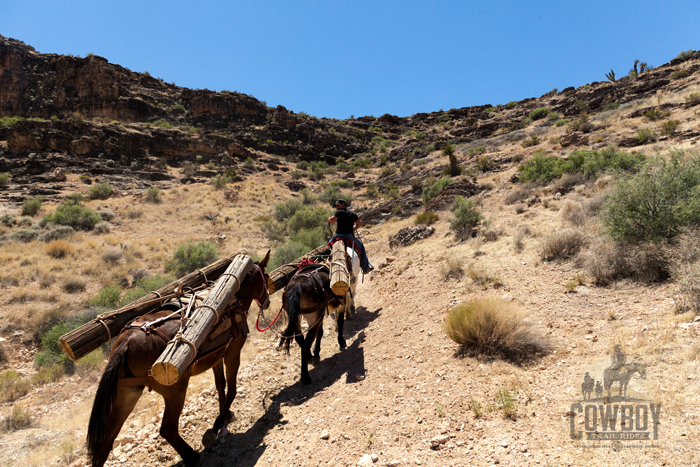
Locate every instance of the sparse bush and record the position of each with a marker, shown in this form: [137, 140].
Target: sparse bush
[100, 191]
[416, 184]
[19, 419]
[112, 255]
[133, 213]
[249, 162]
[539, 113]
[685, 55]
[533, 140]
[31, 206]
[452, 268]
[4, 180]
[482, 276]
[55, 232]
[426, 218]
[74, 285]
[59, 249]
[493, 327]
[678, 74]
[90, 362]
[103, 228]
[287, 253]
[573, 213]
[189, 170]
[506, 403]
[371, 190]
[386, 171]
[511, 104]
[12, 386]
[190, 257]
[669, 127]
[518, 194]
[518, 239]
[466, 217]
[656, 114]
[568, 181]
[332, 193]
[74, 215]
[106, 214]
[219, 181]
[107, 298]
[152, 195]
[435, 189]
[8, 220]
[645, 135]
[645, 262]
[307, 197]
[25, 235]
[561, 244]
[485, 163]
[24, 221]
[562, 122]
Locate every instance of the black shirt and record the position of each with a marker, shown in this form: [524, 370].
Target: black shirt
[346, 218]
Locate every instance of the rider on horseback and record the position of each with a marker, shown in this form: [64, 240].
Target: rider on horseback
[348, 222]
[618, 359]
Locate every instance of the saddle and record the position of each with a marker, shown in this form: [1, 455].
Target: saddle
[311, 272]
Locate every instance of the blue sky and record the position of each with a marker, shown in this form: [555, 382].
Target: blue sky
[337, 59]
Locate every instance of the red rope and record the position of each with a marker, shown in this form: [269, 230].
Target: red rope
[257, 321]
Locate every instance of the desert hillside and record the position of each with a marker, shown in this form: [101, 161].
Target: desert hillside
[570, 220]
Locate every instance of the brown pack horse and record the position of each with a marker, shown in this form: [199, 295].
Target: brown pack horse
[135, 351]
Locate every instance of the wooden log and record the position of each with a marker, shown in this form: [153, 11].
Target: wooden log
[180, 352]
[83, 340]
[340, 276]
[279, 278]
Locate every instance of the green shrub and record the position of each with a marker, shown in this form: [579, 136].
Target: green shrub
[4, 180]
[466, 217]
[645, 135]
[144, 286]
[19, 418]
[685, 55]
[296, 174]
[533, 140]
[435, 189]
[287, 209]
[332, 193]
[287, 253]
[669, 127]
[9, 122]
[656, 114]
[74, 215]
[371, 190]
[591, 163]
[249, 162]
[56, 232]
[426, 218]
[540, 113]
[493, 327]
[656, 203]
[152, 195]
[308, 218]
[190, 257]
[562, 122]
[9, 219]
[12, 386]
[107, 298]
[219, 181]
[511, 104]
[100, 191]
[31, 206]
[25, 235]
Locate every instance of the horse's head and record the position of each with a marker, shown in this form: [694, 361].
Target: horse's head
[254, 286]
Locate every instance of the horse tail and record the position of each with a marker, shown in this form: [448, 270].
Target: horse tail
[293, 309]
[97, 447]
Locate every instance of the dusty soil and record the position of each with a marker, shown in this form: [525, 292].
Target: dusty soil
[401, 386]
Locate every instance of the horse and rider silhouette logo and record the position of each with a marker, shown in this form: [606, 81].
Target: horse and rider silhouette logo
[623, 408]
[620, 371]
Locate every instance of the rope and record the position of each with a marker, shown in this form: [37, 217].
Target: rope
[270, 325]
[109, 334]
[323, 314]
[212, 309]
[204, 274]
[179, 337]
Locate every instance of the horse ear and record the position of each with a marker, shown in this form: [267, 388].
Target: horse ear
[265, 260]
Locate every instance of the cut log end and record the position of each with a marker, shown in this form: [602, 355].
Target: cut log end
[165, 373]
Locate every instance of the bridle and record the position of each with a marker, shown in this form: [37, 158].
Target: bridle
[265, 292]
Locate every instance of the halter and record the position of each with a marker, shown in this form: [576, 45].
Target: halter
[265, 292]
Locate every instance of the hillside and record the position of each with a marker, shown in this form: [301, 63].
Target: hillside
[221, 161]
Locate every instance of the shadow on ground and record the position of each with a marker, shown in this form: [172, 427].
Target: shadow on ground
[246, 448]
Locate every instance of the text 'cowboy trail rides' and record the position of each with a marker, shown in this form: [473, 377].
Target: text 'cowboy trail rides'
[623, 413]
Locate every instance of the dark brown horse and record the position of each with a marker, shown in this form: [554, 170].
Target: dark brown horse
[138, 347]
[309, 294]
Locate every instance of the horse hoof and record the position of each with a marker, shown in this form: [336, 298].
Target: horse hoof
[306, 380]
[342, 344]
[208, 438]
[230, 416]
[315, 360]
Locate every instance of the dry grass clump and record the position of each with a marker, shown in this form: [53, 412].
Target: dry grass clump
[490, 326]
[518, 239]
[491, 235]
[12, 386]
[567, 182]
[19, 418]
[103, 228]
[112, 255]
[59, 249]
[518, 194]
[482, 276]
[74, 285]
[452, 268]
[573, 212]
[608, 262]
[561, 244]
